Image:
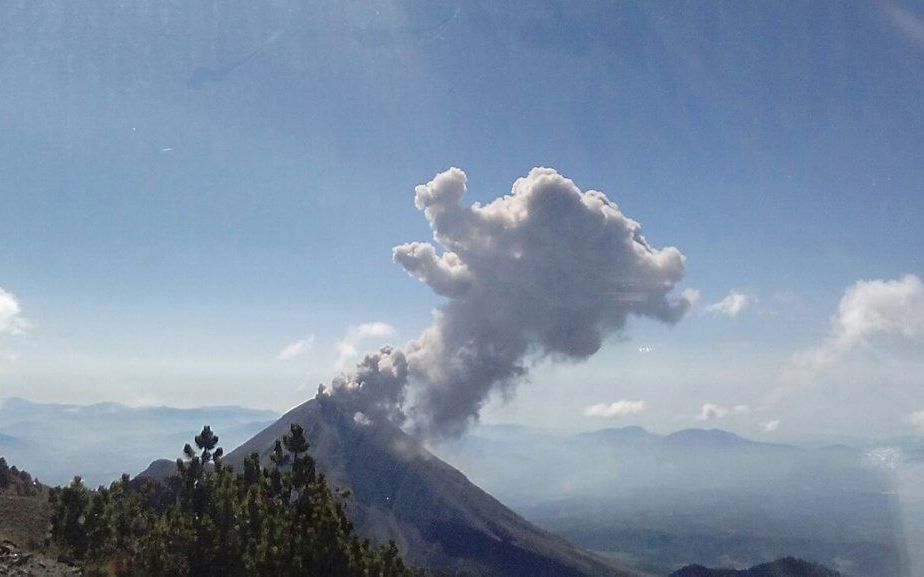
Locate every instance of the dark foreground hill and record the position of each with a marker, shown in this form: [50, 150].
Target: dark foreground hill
[788, 567]
[401, 491]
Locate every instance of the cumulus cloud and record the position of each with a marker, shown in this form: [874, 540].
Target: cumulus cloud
[11, 321]
[917, 419]
[713, 411]
[908, 24]
[615, 410]
[347, 349]
[770, 426]
[731, 305]
[691, 295]
[868, 309]
[547, 271]
[297, 349]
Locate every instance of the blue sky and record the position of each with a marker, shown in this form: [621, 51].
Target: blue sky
[165, 243]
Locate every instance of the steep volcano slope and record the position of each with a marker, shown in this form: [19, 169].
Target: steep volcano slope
[401, 491]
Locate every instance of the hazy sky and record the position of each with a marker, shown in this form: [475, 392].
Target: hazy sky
[225, 236]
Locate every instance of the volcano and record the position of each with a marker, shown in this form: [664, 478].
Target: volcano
[402, 492]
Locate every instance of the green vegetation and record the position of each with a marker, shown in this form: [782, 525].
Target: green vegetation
[23, 507]
[213, 521]
[19, 482]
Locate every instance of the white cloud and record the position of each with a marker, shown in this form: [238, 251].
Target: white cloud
[691, 295]
[874, 307]
[615, 410]
[297, 349]
[347, 348]
[917, 419]
[906, 22]
[731, 305]
[867, 310]
[771, 426]
[712, 411]
[10, 320]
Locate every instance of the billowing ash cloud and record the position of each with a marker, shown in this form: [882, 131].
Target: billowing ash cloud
[547, 270]
[376, 388]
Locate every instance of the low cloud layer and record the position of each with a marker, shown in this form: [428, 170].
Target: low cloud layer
[547, 271]
[730, 306]
[868, 309]
[917, 420]
[11, 320]
[615, 410]
[712, 411]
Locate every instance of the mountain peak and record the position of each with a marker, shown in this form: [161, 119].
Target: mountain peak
[713, 437]
[402, 492]
[786, 567]
[632, 433]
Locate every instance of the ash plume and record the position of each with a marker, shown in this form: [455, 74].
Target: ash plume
[545, 271]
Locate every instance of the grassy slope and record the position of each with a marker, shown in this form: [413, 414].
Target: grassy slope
[24, 520]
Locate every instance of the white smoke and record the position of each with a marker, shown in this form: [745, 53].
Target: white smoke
[546, 271]
[376, 388]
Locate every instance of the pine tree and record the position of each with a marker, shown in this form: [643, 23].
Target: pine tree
[213, 522]
[4, 474]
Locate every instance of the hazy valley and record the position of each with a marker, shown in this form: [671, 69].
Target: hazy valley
[100, 442]
[650, 503]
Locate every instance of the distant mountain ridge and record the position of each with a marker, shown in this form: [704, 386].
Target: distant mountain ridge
[14, 408]
[787, 567]
[694, 436]
[28, 429]
[660, 502]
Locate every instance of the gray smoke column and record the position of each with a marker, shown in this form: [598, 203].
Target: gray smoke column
[547, 270]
